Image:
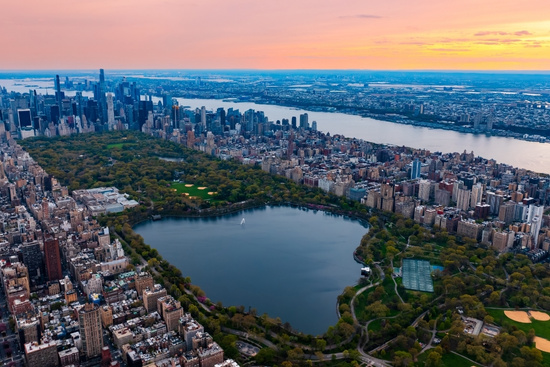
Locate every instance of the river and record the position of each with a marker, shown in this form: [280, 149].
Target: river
[519, 153]
[283, 261]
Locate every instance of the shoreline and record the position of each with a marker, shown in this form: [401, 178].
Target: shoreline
[325, 209]
[393, 118]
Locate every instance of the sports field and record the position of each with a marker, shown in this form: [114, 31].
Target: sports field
[192, 190]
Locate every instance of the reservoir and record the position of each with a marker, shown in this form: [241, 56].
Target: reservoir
[286, 262]
[518, 153]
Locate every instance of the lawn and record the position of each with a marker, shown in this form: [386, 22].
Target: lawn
[542, 328]
[191, 190]
[452, 360]
[116, 145]
[447, 359]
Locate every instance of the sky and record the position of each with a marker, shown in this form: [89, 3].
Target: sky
[282, 34]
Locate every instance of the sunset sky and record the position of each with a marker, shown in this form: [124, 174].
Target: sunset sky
[283, 34]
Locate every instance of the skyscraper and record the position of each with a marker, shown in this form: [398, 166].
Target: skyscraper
[53, 259]
[304, 123]
[90, 330]
[58, 96]
[110, 112]
[102, 100]
[415, 169]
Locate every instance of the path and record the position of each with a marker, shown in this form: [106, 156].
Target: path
[366, 358]
[395, 284]
[434, 331]
[246, 335]
[471, 360]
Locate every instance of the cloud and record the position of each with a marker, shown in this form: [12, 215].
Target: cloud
[450, 49]
[491, 33]
[502, 33]
[361, 16]
[418, 43]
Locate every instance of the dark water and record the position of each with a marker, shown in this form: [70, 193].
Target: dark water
[283, 261]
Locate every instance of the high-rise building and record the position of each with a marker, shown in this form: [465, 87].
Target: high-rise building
[150, 297]
[25, 118]
[477, 194]
[102, 100]
[142, 282]
[110, 112]
[58, 95]
[41, 355]
[53, 259]
[415, 169]
[425, 190]
[463, 199]
[32, 258]
[304, 123]
[90, 330]
[170, 311]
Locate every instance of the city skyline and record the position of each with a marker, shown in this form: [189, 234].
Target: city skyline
[443, 35]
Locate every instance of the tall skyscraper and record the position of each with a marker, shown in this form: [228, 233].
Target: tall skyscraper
[415, 169]
[58, 95]
[53, 259]
[25, 118]
[304, 123]
[90, 330]
[102, 100]
[203, 116]
[110, 112]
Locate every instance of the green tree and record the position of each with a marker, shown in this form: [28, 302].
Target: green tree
[377, 309]
[433, 360]
[402, 359]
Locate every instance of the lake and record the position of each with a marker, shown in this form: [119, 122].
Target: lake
[286, 262]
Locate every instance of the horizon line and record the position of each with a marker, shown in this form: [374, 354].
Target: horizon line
[523, 71]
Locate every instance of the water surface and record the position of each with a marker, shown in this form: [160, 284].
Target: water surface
[283, 261]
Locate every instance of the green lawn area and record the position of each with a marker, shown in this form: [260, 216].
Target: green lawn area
[116, 145]
[452, 360]
[447, 359]
[192, 191]
[542, 328]
[545, 359]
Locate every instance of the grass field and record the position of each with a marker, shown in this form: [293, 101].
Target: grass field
[192, 191]
[542, 328]
[116, 145]
[452, 360]
[447, 359]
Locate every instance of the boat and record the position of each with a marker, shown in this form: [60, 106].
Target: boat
[242, 222]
